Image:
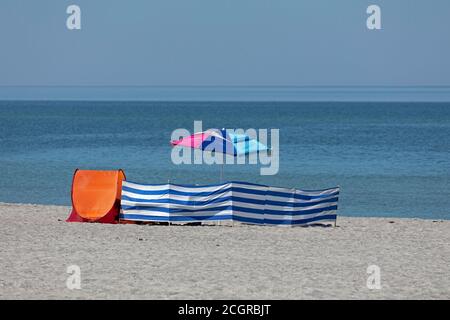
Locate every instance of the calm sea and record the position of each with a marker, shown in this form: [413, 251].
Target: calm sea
[390, 159]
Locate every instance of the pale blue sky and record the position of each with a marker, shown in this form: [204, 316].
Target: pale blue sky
[225, 42]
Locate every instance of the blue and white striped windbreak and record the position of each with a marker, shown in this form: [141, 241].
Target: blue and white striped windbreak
[238, 201]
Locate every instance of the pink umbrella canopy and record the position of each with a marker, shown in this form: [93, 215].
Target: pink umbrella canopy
[192, 141]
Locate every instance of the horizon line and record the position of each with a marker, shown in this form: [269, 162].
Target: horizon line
[222, 86]
[226, 101]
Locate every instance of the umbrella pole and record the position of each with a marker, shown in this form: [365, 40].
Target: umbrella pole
[221, 173]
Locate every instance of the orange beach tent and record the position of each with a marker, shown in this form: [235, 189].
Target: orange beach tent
[96, 196]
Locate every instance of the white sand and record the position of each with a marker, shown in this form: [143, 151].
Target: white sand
[219, 262]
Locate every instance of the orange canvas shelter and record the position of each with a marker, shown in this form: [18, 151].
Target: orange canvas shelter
[96, 195]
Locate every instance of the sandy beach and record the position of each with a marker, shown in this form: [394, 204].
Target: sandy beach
[220, 262]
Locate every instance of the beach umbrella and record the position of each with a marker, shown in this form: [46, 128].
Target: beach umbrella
[222, 141]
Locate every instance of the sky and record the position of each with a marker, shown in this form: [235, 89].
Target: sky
[224, 43]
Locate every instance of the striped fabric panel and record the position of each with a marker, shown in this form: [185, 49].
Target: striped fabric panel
[239, 201]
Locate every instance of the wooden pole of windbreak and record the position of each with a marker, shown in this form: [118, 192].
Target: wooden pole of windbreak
[168, 182]
[335, 220]
[221, 180]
